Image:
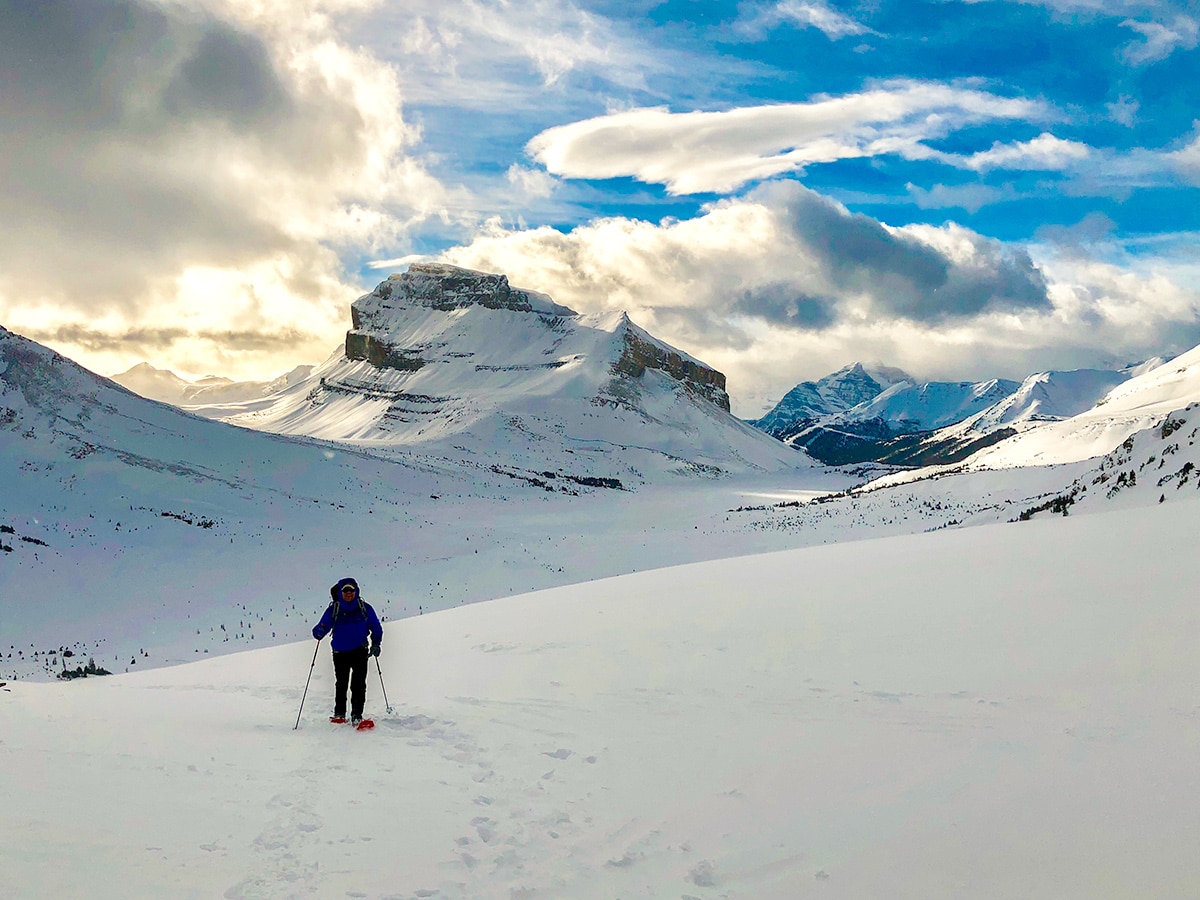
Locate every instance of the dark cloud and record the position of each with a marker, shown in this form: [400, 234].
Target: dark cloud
[783, 304]
[122, 122]
[903, 276]
[156, 340]
[91, 66]
[226, 76]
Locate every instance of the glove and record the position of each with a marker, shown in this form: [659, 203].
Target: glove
[375, 649]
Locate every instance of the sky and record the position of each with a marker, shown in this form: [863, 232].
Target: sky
[965, 189]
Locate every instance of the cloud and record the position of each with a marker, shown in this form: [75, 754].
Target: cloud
[1160, 40]
[1045, 152]
[971, 197]
[785, 284]
[149, 146]
[833, 24]
[477, 54]
[1187, 160]
[701, 152]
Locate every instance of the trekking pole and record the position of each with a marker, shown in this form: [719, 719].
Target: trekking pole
[382, 688]
[306, 681]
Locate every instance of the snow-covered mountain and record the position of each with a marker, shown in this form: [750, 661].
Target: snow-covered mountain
[1135, 403]
[151, 535]
[166, 386]
[932, 423]
[1048, 397]
[1155, 464]
[811, 400]
[453, 361]
[880, 429]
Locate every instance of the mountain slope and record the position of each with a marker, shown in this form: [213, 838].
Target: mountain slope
[167, 387]
[453, 361]
[1140, 402]
[152, 536]
[924, 712]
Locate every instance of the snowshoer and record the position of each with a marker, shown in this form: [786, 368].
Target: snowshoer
[357, 636]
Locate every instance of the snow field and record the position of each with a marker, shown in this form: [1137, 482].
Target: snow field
[998, 711]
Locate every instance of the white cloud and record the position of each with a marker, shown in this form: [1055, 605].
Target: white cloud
[484, 54]
[1160, 40]
[804, 13]
[1187, 160]
[531, 182]
[1044, 153]
[700, 152]
[970, 197]
[785, 285]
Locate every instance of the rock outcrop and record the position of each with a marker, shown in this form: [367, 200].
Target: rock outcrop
[640, 354]
[435, 286]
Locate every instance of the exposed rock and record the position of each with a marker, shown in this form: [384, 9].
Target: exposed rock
[640, 355]
[378, 352]
[432, 286]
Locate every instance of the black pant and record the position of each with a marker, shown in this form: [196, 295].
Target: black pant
[350, 665]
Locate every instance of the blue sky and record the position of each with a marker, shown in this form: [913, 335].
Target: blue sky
[962, 189]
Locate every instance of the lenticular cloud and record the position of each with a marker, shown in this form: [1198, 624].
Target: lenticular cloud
[701, 152]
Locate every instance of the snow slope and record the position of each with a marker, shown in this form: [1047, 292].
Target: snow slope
[1140, 402]
[152, 537]
[995, 712]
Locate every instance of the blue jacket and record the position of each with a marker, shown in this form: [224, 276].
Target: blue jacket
[351, 627]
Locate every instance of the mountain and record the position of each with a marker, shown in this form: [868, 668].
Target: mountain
[884, 428]
[458, 362]
[812, 400]
[1138, 402]
[151, 535]
[1050, 396]
[166, 386]
[938, 423]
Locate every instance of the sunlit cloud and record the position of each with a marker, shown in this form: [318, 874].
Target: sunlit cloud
[700, 152]
[1045, 152]
[148, 142]
[785, 285]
